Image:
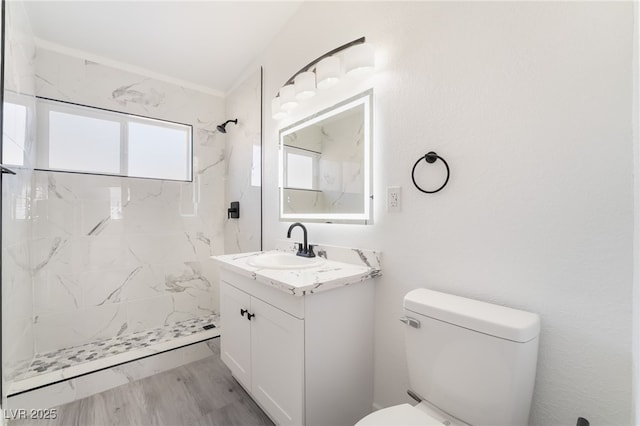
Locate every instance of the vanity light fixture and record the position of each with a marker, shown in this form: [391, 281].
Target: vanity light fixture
[322, 73]
[359, 60]
[276, 111]
[288, 98]
[328, 72]
[305, 85]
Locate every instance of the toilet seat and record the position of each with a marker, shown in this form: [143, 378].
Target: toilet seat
[399, 415]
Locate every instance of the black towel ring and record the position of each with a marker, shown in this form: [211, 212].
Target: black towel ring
[430, 157]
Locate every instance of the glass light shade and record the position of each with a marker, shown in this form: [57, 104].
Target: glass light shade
[288, 97]
[328, 72]
[305, 84]
[276, 109]
[359, 59]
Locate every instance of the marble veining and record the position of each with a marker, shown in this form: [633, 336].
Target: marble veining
[99, 226]
[347, 266]
[128, 93]
[56, 244]
[67, 357]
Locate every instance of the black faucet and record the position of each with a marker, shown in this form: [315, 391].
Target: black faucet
[304, 249]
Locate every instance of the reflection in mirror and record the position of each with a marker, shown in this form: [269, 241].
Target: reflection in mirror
[325, 165]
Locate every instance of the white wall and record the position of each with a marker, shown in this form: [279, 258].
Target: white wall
[530, 103]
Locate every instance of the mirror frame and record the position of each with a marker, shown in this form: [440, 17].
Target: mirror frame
[366, 217]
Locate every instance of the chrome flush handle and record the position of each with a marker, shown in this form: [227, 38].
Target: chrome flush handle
[411, 321]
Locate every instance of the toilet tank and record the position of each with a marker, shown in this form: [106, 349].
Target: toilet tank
[473, 360]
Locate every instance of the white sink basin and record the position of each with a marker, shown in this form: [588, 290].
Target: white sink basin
[284, 261]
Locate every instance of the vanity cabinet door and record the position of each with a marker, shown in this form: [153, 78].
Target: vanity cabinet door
[235, 343]
[277, 343]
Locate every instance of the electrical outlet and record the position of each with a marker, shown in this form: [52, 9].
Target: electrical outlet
[393, 198]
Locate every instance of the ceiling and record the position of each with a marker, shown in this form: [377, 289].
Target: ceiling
[207, 44]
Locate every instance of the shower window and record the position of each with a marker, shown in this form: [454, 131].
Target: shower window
[81, 139]
[82, 143]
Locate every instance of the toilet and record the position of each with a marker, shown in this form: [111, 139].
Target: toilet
[470, 363]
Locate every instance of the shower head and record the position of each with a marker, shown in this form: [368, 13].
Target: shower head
[222, 128]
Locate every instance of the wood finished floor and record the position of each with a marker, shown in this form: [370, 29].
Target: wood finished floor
[198, 394]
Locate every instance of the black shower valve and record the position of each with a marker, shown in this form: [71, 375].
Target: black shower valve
[233, 212]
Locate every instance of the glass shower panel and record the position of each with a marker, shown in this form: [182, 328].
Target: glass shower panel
[18, 89]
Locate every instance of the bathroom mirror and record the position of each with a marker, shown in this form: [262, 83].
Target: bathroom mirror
[325, 165]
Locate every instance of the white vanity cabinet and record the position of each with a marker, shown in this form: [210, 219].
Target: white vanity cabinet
[306, 360]
[236, 349]
[264, 353]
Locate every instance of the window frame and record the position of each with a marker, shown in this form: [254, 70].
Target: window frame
[46, 105]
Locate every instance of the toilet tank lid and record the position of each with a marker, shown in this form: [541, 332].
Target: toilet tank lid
[495, 320]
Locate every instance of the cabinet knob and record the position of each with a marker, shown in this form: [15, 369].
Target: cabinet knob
[243, 311]
[249, 316]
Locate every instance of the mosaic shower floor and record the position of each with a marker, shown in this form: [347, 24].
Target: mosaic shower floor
[118, 349]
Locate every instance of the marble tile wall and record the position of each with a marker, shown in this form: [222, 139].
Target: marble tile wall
[243, 165]
[111, 255]
[17, 311]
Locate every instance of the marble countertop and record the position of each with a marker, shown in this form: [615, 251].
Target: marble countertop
[362, 265]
